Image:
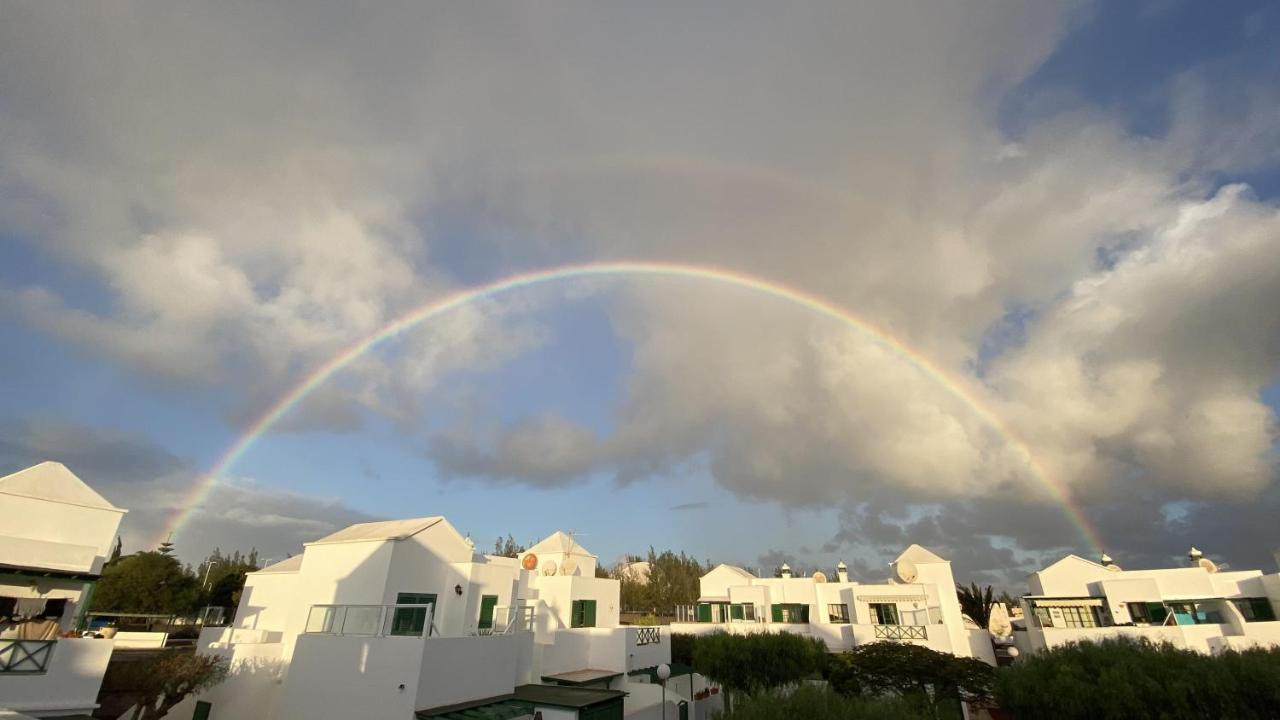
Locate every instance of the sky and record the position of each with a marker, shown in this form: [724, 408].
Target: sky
[1070, 212]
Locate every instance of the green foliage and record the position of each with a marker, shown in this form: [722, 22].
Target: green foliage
[682, 648]
[508, 547]
[976, 602]
[813, 702]
[147, 582]
[757, 662]
[1122, 678]
[155, 684]
[222, 577]
[913, 673]
[673, 580]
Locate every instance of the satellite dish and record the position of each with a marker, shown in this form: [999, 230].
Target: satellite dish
[1208, 565]
[530, 562]
[819, 577]
[549, 567]
[569, 566]
[906, 571]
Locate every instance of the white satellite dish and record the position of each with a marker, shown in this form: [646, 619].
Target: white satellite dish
[906, 571]
[1208, 565]
[569, 566]
[549, 567]
[819, 577]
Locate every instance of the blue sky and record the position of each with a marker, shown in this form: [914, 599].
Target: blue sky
[1071, 208]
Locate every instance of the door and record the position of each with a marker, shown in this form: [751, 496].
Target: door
[487, 604]
[412, 621]
[202, 710]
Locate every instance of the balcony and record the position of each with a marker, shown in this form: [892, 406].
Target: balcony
[25, 656]
[372, 620]
[902, 632]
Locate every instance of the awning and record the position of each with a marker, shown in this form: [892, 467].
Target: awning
[1082, 602]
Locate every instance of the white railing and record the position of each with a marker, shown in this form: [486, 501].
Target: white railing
[25, 656]
[372, 620]
[508, 620]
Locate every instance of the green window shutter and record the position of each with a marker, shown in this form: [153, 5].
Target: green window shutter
[487, 604]
[735, 612]
[1262, 610]
[575, 615]
[777, 613]
[804, 613]
[1157, 612]
[202, 710]
[589, 613]
[704, 612]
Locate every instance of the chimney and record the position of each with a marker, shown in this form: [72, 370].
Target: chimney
[1194, 555]
[1106, 560]
[842, 570]
[786, 570]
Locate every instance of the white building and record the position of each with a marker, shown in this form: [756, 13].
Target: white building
[389, 619]
[919, 605]
[1197, 607]
[54, 539]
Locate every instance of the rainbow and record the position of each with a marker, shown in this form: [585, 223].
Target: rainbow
[957, 386]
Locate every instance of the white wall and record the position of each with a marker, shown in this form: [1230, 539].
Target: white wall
[459, 669]
[47, 521]
[347, 677]
[71, 683]
[268, 601]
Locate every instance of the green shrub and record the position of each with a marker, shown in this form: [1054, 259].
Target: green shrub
[1126, 678]
[814, 702]
[757, 661]
[934, 680]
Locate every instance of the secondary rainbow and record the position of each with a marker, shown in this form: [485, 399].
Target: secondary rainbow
[434, 308]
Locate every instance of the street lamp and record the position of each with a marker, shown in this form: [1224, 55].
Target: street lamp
[664, 672]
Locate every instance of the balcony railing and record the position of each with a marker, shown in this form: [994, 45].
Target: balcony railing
[902, 632]
[508, 620]
[25, 656]
[372, 620]
[648, 635]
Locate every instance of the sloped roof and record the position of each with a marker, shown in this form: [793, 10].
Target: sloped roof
[383, 530]
[560, 542]
[288, 565]
[918, 555]
[1071, 559]
[734, 569]
[53, 481]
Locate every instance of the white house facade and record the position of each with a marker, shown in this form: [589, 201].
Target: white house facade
[392, 619]
[919, 606]
[1197, 607]
[55, 537]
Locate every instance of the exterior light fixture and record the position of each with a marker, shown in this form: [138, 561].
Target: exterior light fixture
[457, 589]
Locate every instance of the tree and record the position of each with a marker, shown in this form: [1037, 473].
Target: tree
[147, 582]
[914, 673]
[115, 551]
[1123, 677]
[222, 577]
[757, 661]
[153, 686]
[508, 547]
[812, 702]
[672, 580]
[976, 603]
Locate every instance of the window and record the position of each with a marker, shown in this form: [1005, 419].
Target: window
[412, 620]
[1078, 617]
[884, 613]
[735, 612]
[790, 613]
[584, 613]
[749, 612]
[838, 613]
[1255, 609]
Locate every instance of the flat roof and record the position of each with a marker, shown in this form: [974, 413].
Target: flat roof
[521, 702]
[581, 677]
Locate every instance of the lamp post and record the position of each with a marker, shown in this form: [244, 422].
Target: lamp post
[664, 672]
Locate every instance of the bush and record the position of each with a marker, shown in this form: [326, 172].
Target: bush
[812, 702]
[757, 661]
[931, 679]
[1122, 677]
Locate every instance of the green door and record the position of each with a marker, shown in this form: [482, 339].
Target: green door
[487, 604]
[411, 621]
[704, 612]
